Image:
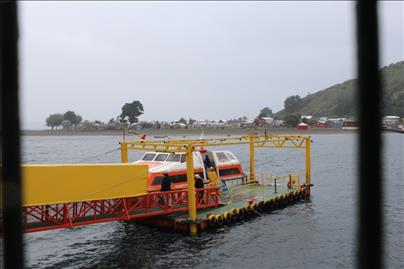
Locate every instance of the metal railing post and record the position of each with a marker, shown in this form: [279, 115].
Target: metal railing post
[308, 163]
[252, 158]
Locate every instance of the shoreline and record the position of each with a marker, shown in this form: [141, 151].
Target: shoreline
[196, 132]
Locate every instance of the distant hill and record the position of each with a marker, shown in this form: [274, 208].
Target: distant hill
[339, 100]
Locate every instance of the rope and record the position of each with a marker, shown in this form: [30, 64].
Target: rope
[98, 155]
[105, 189]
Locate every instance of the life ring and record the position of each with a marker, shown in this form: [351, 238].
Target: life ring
[266, 206]
[211, 220]
[301, 194]
[235, 214]
[227, 217]
[261, 206]
[242, 213]
[219, 220]
[291, 198]
[256, 207]
[249, 211]
[271, 204]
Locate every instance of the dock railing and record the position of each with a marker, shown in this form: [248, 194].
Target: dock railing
[73, 214]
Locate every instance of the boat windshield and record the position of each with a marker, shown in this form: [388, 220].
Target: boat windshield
[148, 157]
[173, 158]
[231, 156]
[161, 157]
[222, 157]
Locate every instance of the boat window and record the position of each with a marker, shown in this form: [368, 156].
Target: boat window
[148, 157]
[229, 171]
[175, 178]
[161, 157]
[174, 158]
[231, 156]
[183, 158]
[179, 178]
[222, 157]
[157, 180]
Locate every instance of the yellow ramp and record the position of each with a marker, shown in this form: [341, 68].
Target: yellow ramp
[55, 184]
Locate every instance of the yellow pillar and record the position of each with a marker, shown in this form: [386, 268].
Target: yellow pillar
[124, 152]
[191, 190]
[252, 158]
[308, 162]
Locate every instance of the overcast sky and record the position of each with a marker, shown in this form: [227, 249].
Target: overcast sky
[205, 60]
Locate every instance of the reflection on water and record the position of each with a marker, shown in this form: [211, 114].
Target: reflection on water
[316, 234]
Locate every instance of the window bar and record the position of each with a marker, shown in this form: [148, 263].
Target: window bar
[370, 247]
[10, 131]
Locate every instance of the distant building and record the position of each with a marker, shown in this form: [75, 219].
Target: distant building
[278, 123]
[306, 117]
[311, 120]
[178, 125]
[268, 120]
[350, 124]
[391, 121]
[335, 123]
[302, 126]
[320, 124]
[322, 119]
[248, 123]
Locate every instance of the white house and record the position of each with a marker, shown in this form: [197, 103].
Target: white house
[391, 120]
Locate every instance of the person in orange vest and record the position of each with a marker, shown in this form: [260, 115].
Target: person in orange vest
[212, 175]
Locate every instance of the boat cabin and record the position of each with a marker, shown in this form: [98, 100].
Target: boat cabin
[225, 163]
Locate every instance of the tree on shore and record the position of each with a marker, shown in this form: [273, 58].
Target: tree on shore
[266, 112]
[182, 120]
[66, 124]
[66, 120]
[292, 103]
[131, 112]
[54, 120]
[291, 120]
[73, 118]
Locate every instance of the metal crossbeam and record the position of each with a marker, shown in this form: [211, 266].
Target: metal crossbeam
[260, 141]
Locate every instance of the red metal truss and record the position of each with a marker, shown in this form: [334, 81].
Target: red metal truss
[69, 215]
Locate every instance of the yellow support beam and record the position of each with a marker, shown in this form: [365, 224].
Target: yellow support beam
[191, 190]
[308, 161]
[261, 141]
[64, 183]
[124, 152]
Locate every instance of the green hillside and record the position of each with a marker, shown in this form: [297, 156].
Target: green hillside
[339, 100]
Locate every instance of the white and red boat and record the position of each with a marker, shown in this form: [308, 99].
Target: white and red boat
[225, 163]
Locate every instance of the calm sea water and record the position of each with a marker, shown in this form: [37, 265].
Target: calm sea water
[316, 234]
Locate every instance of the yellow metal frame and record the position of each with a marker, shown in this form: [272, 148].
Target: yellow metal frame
[188, 146]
